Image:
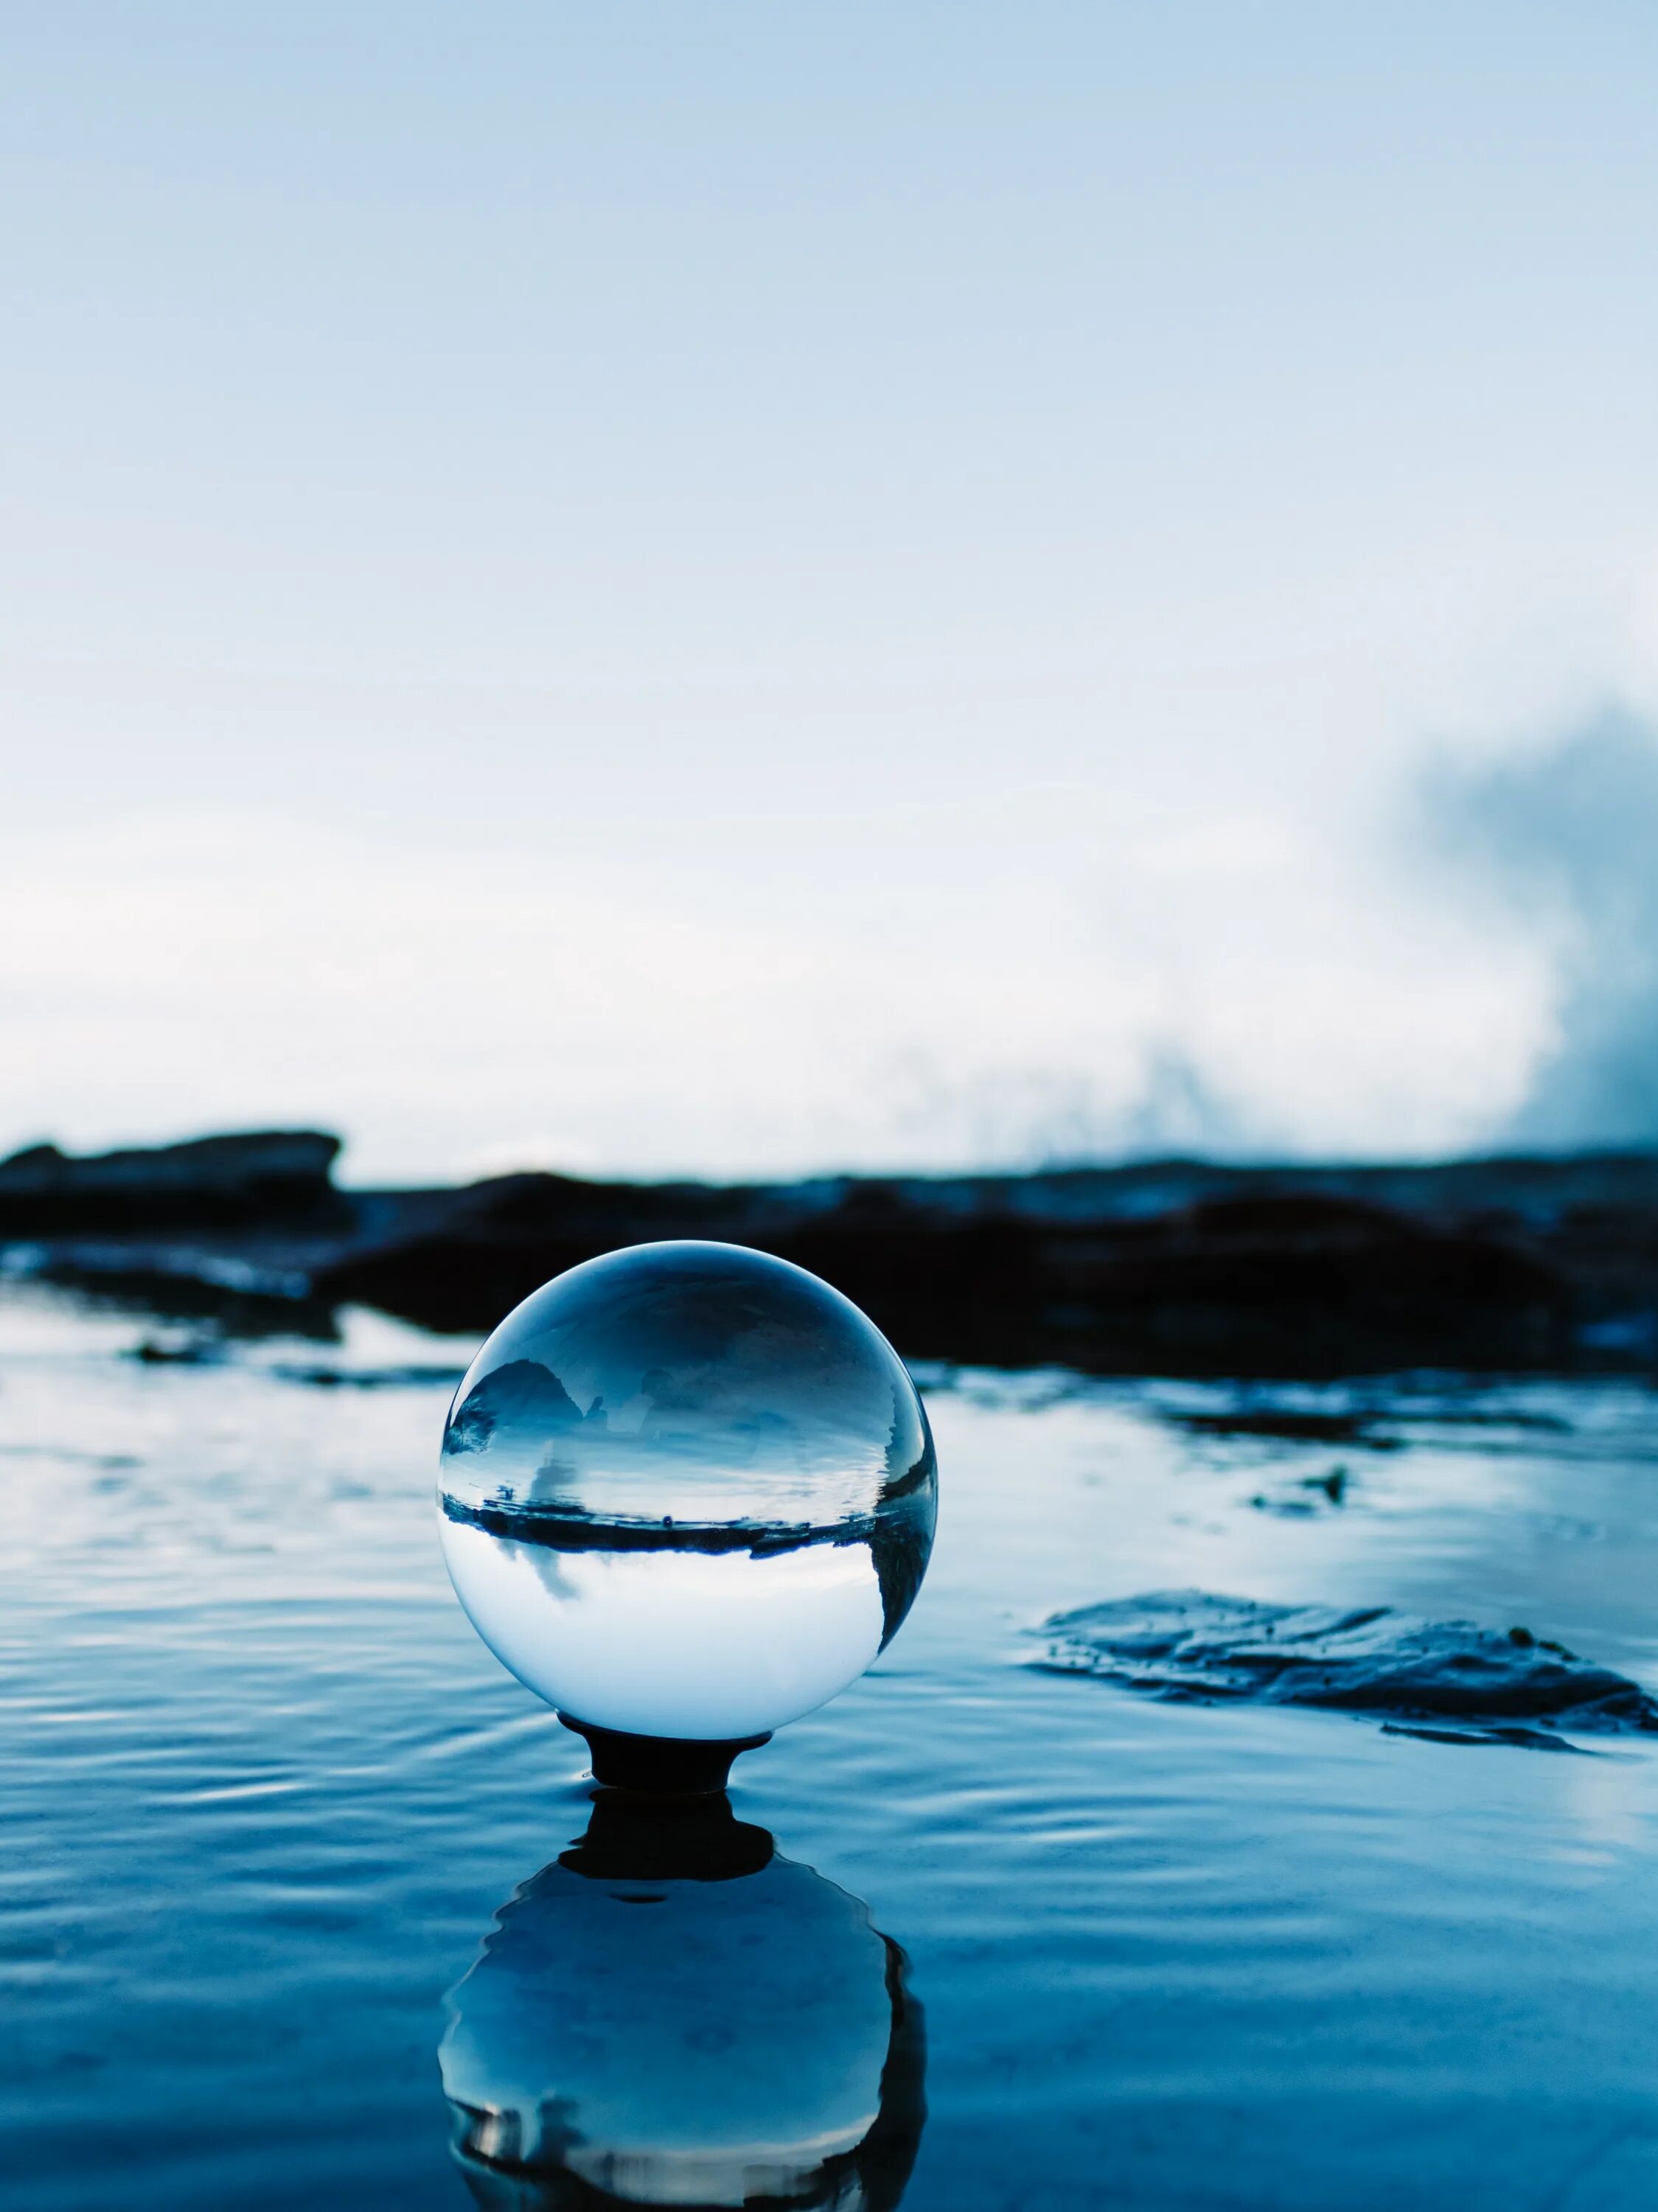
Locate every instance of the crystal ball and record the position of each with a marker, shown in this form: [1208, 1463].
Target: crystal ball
[686, 1490]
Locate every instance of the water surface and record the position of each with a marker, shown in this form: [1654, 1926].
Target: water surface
[266, 1793]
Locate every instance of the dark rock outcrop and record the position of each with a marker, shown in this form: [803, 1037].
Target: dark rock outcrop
[1278, 1284]
[1439, 1678]
[1170, 1267]
[266, 1175]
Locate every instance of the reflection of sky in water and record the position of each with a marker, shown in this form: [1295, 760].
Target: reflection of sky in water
[265, 1790]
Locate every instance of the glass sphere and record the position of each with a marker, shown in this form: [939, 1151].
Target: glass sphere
[688, 1490]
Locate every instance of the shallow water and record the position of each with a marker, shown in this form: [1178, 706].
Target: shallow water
[266, 1793]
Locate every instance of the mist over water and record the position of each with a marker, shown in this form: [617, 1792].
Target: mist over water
[1565, 839]
[1276, 976]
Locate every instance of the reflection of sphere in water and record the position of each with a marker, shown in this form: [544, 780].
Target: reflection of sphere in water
[629, 2038]
[687, 1491]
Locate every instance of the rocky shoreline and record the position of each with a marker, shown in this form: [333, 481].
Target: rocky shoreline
[1178, 1268]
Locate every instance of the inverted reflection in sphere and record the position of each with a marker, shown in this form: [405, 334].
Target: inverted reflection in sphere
[687, 1491]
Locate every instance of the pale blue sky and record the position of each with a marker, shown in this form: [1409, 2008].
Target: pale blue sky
[755, 586]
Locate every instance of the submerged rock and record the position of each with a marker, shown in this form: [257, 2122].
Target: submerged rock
[1286, 1424]
[1187, 1645]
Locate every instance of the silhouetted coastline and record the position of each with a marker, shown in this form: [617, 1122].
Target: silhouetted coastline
[1174, 1267]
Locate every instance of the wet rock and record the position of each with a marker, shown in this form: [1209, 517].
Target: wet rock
[194, 1352]
[1187, 1645]
[416, 1375]
[1302, 1500]
[1283, 1424]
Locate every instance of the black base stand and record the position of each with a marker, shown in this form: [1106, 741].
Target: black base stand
[692, 1838]
[660, 1766]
